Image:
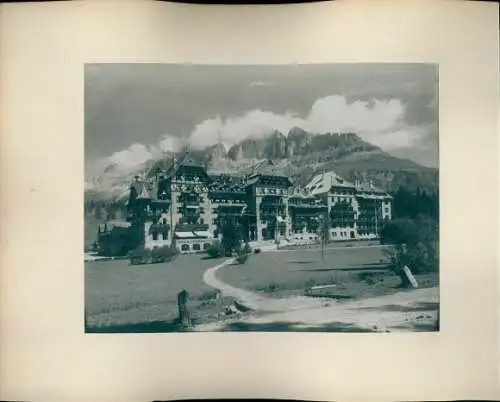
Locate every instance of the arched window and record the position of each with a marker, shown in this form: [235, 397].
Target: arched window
[185, 247]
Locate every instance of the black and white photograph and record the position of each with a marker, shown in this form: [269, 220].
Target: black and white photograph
[271, 198]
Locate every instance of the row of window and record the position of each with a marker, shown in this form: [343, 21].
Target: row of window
[264, 209]
[345, 234]
[194, 247]
[191, 220]
[184, 210]
[305, 237]
[270, 190]
[335, 223]
[342, 224]
[342, 199]
[338, 220]
[161, 235]
[342, 192]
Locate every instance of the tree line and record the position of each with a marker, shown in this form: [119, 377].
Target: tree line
[407, 204]
[413, 233]
[104, 209]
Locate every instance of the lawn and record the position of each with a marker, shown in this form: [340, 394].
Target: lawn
[358, 272]
[117, 293]
[120, 297]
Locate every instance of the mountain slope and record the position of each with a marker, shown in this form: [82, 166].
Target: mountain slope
[298, 153]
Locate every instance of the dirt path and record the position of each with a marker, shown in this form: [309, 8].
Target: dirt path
[403, 311]
[255, 301]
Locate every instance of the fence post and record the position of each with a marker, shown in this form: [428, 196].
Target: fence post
[182, 303]
[410, 277]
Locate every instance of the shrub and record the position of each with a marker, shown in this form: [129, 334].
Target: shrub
[163, 254]
[138, 255]
[243, 253]
[398, 231]
[232, 237]
[142, 255]
[414, 243]
[247, 249]
[216, 250]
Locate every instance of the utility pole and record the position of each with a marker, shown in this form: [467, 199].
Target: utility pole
[323, 234]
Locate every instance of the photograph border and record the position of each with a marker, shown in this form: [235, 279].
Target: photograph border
[44, 353]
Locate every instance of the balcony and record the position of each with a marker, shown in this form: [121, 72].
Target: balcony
[307, 206]
[190, 204]
[191, 227]
[230, 203]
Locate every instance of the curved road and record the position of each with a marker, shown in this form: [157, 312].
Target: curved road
[378, 312]
[255, 301]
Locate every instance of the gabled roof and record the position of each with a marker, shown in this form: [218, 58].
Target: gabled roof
[323, 182]
[266, 169]
[369, 188]
[188, 162]
[262, 178]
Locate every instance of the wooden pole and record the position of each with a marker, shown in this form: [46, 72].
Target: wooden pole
[411, 278]
[182, 303]
[218, 301]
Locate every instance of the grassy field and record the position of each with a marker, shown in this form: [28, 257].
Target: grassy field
[117, 293]
[120, 297]
[358, 272]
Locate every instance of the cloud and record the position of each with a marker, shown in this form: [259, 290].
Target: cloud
[254, 124]
[124, 162]
[261, 84]
[380, 122]
[169, 143]
[138, 154]
[135, 155]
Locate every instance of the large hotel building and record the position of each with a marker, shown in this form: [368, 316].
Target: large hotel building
[186, 207]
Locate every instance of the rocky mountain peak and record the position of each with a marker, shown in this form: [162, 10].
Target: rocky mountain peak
[298, 152]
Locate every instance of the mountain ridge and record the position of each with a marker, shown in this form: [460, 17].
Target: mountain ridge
[299, 153]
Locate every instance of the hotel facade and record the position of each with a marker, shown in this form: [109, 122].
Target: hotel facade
[185, 207]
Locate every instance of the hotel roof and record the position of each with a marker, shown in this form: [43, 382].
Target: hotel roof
[369, 188]
[323, 182]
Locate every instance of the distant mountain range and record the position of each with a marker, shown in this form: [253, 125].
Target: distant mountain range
[298, 154]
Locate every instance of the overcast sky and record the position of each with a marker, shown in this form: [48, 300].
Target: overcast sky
[133, 110]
